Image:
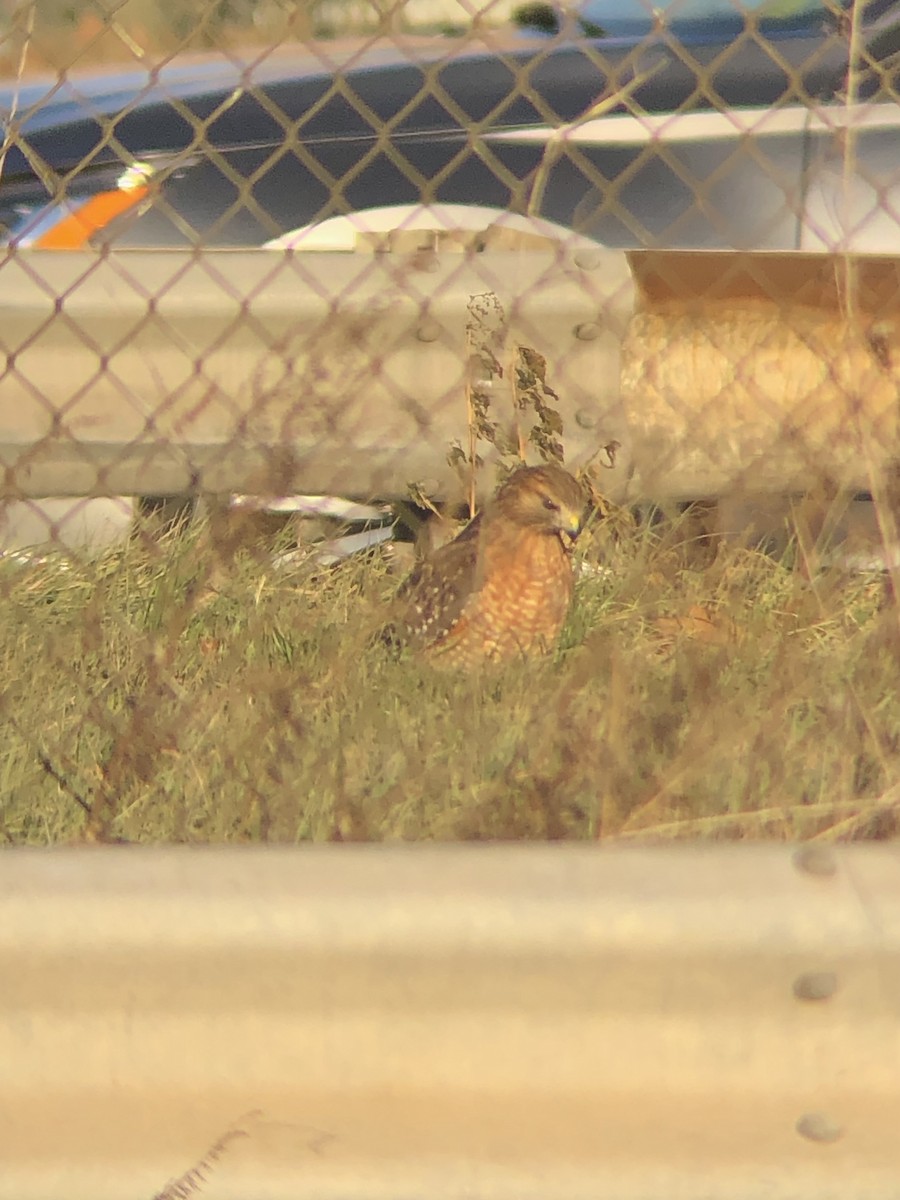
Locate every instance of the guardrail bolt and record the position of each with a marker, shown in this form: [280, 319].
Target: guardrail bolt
[815, 860]
[588, 331]
[817, 1127]
[588, 260]
[815, 985]
[587, 418]
[428, 331]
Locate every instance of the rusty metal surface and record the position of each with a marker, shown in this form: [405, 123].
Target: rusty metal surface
[447, 1021]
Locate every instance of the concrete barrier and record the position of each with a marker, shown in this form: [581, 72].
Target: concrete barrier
[73, 524]
[521, 1022]
[756, 373]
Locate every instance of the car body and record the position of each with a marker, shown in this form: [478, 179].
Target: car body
[717, 131]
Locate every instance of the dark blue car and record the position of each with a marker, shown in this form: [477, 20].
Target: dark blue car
[702, 126]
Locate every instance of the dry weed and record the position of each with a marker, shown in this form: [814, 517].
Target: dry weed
[154, 696]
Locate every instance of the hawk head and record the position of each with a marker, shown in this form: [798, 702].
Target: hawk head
[543, 499]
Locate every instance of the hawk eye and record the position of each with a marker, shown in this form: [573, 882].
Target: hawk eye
[550, 505]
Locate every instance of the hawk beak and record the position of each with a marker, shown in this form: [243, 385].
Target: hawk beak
[570, 524]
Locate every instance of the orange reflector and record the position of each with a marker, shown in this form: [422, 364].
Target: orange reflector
[77, 228]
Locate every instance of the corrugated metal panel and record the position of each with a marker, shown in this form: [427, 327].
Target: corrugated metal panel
[362, 1022]
[154, 373]
[344, 373]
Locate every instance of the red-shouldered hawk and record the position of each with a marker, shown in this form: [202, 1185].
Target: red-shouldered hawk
[503, 587]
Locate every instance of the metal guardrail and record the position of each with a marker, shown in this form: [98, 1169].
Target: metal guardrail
[154, 373]
[264, 371]
[366, 1022]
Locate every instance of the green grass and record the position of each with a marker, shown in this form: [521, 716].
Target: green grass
[184, 694]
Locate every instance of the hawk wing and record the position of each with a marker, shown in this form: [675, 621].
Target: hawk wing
[431, 600]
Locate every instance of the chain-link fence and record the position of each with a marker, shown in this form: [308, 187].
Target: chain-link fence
[288, 290]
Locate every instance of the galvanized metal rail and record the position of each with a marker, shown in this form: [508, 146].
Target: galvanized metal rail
[145, 373]
[504, 1022]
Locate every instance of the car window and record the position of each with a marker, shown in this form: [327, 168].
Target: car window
[632, 16]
